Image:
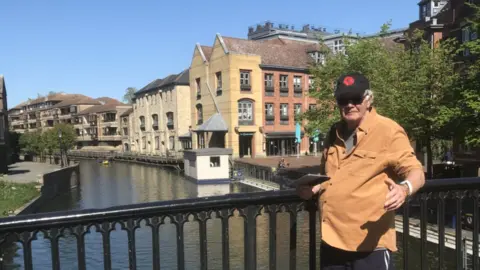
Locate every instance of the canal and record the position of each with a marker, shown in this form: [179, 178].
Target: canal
[122, 184]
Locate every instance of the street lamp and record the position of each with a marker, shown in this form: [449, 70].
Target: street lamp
[60, 147]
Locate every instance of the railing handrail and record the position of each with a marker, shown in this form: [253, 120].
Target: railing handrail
[142, 210]
[173, 207]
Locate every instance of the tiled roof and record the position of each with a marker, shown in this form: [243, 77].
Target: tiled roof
[99, 109]
[207, 51]
[181, 78]
[108, 100]
[76, 99]
[54, 97]
[127, 112]
[275, 52]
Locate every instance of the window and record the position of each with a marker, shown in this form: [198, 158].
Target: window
[245, 80]
[466, 37]
[297, 108]
[284, 82]
[219, 80]
[199, 89]
[312, 107]
[170, 123]
[144, 142]
[245, 112]
[283, 113]
[297, 86]
[338, 46]
[269, 115]
[155, 121]
[142, 122]
[171, 143]
[269, 85]
[199, 114]
[214, 161]
[310, 82]
[318, 57]
[157, 142]
[201, 140]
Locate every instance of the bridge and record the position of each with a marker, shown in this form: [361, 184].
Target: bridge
[447, 198]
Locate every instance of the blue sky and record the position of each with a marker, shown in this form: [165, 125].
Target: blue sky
[99, 48]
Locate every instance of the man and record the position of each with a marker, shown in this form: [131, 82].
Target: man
[372, 169]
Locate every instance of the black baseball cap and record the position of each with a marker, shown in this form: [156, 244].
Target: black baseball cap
[351, 85]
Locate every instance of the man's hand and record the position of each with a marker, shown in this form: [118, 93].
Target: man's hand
[307, 192]
[395, 197]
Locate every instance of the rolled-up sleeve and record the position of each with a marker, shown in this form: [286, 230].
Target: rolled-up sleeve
[402, 158]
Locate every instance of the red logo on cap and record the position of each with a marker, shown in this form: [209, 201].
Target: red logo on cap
[348, 81]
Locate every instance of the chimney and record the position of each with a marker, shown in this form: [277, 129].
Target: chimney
[250, 30]
[306, 28]
[268, 25]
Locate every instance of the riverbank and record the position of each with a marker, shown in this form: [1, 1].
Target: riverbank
[15, 195]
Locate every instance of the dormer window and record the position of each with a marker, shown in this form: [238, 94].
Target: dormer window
[318, 57]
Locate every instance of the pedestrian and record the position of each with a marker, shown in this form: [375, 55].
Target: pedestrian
[372, 169]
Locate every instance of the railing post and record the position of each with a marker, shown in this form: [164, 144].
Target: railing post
[250, 246]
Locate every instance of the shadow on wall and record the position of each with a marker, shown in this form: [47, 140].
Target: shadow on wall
[54, 184]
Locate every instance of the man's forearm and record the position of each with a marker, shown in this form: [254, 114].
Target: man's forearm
[417, 179]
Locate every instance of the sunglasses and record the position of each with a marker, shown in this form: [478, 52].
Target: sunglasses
[346, 101]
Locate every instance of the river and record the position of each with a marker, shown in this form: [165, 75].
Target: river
[122, 184]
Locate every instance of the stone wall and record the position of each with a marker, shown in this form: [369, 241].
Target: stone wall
[53, 184]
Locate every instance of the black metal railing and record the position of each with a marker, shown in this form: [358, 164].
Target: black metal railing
[438, 199]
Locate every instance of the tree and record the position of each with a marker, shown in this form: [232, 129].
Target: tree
[41, 143]
[470, 96]
[415, 87]
[129, 95]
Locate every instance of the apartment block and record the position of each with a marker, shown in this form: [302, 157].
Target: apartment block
[126, 122]
[161, 116]
[245, 94]
[4, 151]
[100, 126]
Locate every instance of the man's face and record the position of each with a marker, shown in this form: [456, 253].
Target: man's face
[352, 109]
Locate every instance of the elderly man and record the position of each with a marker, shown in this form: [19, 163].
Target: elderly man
[372, 169]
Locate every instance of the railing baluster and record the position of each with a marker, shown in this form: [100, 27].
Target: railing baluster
[225, 239]
[132, 253]
[250, 237]
[53, 234]
[107, 257]
[180, 243]
[312, 233]
[458, 231]
[293, 236]
[475, 194]
[155, 225]
[27, 250]
[202, 220]
[441, 229]
[272, 237]
[423, 230]
[406, 233]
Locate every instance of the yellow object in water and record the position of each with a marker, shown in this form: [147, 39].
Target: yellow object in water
[105, 162]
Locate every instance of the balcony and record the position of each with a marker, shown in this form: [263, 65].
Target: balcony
[84, 138]
[110, 138]
[421, 221]
[109, 124]
[65, 116]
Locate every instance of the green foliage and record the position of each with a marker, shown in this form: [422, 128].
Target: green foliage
[13, 196]
[39, 143]
[129, 95]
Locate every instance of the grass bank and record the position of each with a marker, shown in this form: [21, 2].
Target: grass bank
[13, 196]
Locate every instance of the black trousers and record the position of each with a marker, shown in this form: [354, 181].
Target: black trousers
[335, 259]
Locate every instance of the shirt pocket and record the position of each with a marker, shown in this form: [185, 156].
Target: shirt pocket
[363, 162]
[331, 164]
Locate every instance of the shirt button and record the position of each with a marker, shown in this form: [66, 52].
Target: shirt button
[331, 184]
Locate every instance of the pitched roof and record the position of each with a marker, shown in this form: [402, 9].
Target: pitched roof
[275, 52]
[181, 78]
[207, 51]
[99, 109]
[108, 100]
[127, 112]
[76, 99]
[214, 123]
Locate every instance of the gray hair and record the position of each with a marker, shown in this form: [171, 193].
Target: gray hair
[368, 95]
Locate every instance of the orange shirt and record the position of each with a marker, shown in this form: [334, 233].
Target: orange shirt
[353, 217]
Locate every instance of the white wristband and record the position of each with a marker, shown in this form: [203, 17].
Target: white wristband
[409, 185]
